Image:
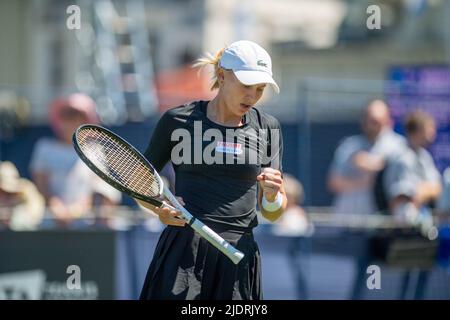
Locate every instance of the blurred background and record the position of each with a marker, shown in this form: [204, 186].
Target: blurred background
[133, 59]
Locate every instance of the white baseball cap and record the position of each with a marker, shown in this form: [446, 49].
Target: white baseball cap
[250, 63]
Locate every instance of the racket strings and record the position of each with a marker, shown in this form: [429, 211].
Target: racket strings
[131, 173]
[110, 161]
[134, 171]
[118, 162]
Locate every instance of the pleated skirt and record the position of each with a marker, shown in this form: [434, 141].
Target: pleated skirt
[187, 267]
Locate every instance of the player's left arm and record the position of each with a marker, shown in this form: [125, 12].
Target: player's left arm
[270, 184]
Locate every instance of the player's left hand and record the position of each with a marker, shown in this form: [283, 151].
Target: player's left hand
[271, 182]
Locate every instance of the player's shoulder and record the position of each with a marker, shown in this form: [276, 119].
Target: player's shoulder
[263, 119]
[182, 112]
[184, 108]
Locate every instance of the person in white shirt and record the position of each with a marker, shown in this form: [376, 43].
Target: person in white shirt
[67, 184]
[358, 159]
[414, 185]
[412, 180]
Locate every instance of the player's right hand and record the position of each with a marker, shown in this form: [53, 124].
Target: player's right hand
[166, 215]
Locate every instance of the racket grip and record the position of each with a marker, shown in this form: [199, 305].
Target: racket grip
[207, 233]
[212, 237]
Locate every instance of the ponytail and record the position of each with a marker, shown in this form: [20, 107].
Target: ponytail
[208, 59]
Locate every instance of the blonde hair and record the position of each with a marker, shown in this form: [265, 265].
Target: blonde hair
[208, 59]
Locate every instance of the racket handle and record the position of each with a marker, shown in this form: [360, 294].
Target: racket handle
[207, 233]
[212, 237]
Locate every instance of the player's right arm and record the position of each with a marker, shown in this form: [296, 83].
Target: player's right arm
[158, 153]
[166, 216]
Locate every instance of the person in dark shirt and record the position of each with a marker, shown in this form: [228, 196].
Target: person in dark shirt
[227, 157]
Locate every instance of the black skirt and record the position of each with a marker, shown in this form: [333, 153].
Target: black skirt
[187, 267]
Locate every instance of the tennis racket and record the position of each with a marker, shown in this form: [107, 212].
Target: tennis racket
[126, 169]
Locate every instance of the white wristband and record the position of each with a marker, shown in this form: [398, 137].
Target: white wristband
[272, 206]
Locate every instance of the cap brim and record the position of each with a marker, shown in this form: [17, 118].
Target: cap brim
[251, 77]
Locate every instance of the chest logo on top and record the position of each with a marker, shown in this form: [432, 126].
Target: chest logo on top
[228, 147]
[209, 146]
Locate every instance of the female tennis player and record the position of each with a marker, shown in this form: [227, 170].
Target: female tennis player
[213, 146]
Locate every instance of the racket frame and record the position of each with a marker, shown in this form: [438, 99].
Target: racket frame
[207, 233]
[105, 177]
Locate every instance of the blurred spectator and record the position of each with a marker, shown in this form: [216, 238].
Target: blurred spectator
[413, 185]
[444, 222]
[412, 180]
[14, 113]
[21, 205]
[68, 185]
[358, 160]
[444, 200]
[294, 220]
